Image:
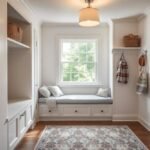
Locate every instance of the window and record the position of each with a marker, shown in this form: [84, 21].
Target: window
[78, 62]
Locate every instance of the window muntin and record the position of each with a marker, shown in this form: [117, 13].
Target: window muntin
[78, 62]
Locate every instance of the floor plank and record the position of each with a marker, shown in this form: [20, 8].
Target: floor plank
[30, 139]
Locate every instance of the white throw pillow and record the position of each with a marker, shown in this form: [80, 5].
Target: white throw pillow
[56, 91]
[44, 91]
[103, 92]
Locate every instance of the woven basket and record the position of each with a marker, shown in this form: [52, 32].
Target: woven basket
[131, 40]
[15, 32]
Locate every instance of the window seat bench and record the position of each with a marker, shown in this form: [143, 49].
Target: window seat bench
[76, 107]
[78, 99]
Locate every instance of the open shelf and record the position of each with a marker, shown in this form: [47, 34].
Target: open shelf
[126, 48]
[15, 44]
[13, 14]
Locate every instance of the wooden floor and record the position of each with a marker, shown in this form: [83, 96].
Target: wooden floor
[31, 138]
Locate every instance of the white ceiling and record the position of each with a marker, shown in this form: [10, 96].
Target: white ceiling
[67, 11]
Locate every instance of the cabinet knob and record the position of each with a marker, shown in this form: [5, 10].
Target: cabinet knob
[50, 111]
[6, 121]
[22, 115]
[76, 111]
[102, 111]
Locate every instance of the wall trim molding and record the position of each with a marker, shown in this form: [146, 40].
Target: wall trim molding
[124, 118]
[130, 117]
[144, 123]
[63, 24]
[114, 118]
[106, 118]
[34, 13]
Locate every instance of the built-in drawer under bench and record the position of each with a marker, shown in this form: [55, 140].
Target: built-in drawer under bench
[90, 111]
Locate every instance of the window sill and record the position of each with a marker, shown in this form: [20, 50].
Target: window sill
[80, 85]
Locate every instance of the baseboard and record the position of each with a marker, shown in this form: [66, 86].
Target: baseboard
[144, 123]
[106, 118]
[34, 124]
[75, 118]
[132, 118]
[124, 118]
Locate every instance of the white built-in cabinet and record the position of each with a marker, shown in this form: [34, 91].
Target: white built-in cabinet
[18, 87]
[19, 121]
[19, 57]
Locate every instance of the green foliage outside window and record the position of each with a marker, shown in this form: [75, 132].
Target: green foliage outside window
[78, 61]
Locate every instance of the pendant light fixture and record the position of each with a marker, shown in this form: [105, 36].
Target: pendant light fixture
[89, 16]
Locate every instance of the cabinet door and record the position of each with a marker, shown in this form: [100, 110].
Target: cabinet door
[13, 132]
[36, 70]
[3, 74]
[22, 122]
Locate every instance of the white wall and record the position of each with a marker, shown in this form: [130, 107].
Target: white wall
[144, 100]
[50, 54]
[125, 100]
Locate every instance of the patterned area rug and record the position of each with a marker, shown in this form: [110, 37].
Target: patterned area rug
[89, 138]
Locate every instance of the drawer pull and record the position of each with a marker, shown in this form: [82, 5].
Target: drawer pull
[76, 111]
[50, 111]
[22, 115]
[6, 121]
[102, 111]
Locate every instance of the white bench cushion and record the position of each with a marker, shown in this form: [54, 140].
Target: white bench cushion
[78, 99]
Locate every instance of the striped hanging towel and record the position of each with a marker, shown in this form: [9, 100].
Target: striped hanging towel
[122, 71]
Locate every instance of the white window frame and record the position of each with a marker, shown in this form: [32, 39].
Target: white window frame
[98, 55]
